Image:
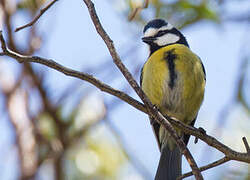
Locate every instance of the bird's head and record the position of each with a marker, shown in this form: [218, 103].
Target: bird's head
[158, 33]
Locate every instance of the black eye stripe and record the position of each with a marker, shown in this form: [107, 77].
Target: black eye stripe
[162, 29]
[171, 31]
[160, 33]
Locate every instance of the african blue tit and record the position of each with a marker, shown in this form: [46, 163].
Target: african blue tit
[173, 78]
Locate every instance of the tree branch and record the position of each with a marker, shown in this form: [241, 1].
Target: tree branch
[42, 11]
[211, 141]
[151, 110]
[70, 72]
[209, 166]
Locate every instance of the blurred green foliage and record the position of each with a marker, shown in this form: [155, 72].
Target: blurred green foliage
[31, 5]
[180, 13]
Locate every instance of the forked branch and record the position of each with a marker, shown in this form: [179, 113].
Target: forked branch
[42, 11]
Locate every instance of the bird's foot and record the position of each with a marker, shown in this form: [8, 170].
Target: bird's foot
[155, 107]
[202, 131]
[152, 121]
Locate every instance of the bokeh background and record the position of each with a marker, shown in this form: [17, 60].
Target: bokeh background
[57, 127]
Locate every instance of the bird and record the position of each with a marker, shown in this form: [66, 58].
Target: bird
[173, 78]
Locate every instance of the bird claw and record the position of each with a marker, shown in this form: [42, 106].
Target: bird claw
[155, 107]
[152, 121]
[202, 131]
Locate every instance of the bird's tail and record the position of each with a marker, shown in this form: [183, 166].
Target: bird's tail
[169, 167]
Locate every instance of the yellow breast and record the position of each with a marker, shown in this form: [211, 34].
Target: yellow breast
[183, 100]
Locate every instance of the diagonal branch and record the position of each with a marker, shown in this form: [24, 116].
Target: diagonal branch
[211, 141]
[70, 72]
[42, 11]
[209, 166]
[151, 110]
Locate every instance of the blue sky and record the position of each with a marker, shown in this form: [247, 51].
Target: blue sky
[71, 40]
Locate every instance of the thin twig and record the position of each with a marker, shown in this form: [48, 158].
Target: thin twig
[209, 166]
[151, 110]
[42, 11]
[244, 139]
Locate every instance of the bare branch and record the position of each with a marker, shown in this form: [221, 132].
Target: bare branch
[151, 110]
[244, 139]
[229, 153]
[42, 11]
[211, 141]
[209, 166]
[16, 104]
[70, 72]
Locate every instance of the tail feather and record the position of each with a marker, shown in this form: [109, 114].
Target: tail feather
[169, 167]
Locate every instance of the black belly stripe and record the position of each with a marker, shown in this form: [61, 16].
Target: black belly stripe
[169, 56]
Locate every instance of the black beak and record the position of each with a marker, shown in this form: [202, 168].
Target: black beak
[148, 40]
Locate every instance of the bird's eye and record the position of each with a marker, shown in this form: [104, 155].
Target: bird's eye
[160, 33]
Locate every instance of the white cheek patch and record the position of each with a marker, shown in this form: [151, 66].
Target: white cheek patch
[168, 38]
[167, 27]
[150, 32]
